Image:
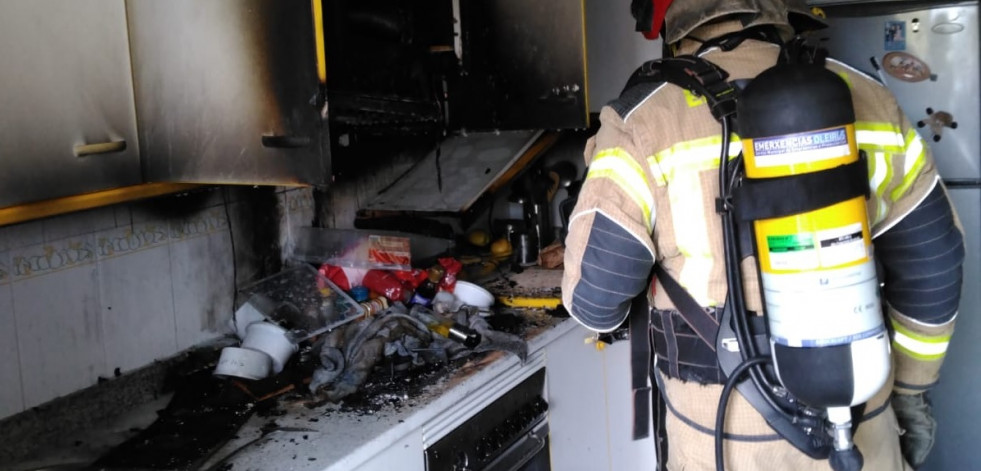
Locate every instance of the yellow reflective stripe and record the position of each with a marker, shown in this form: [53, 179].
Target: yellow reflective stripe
[693, 100]
[693, 156]
[691, 234]
[617, 165]
[881, 173]
[915, 159]
[681, 166]
[884, 136]
[919, 346]
[695, 272]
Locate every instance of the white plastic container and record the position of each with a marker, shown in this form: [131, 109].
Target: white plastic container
[243, 363]
[272, 340]
[472, 295]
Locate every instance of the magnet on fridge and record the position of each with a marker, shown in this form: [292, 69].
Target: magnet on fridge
[906, 67]
[895, 36]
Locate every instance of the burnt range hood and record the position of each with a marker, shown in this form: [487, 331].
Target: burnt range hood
[451, 178]
[412, 69]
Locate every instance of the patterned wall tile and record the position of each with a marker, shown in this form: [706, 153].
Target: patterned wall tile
[131, 239]
[4, 268]
[296, 209]
[137, 304]
[51, 257]
[203, 286]
[55, 291]
[11, 391]
[201, 224]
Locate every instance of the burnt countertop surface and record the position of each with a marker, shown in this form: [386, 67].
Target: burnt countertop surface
[291, 431]
[297, 435]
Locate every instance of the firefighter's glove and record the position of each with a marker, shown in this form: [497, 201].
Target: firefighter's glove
[918, 426]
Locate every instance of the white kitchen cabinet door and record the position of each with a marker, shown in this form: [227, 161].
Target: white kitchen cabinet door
[67, 113]
[227, 91]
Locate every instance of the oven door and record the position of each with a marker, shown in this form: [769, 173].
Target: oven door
[511, 434]
[529, 453]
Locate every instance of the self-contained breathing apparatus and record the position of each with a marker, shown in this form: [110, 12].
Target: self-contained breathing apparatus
[795, 198]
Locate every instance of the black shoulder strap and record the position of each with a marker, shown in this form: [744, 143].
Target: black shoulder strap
[640, 362]
[704, 325]
[692, 73]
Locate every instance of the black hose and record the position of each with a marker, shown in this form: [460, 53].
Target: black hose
[735, 297]
[720, 415]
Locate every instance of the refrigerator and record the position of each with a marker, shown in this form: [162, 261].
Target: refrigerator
[927, 53]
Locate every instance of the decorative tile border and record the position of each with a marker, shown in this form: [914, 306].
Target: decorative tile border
[51, 257]
[204, 223]
[298, 204]
[122, 241]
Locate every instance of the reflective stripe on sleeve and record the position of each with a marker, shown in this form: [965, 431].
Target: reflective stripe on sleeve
[617, 165]
[915, 158]
[880, 174]
[921, 347]
[880, 141]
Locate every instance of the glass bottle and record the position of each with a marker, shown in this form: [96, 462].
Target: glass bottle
[427, 289]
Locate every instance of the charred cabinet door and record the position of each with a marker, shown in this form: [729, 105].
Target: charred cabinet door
[226, 91]
[67, 118]
[523, 65]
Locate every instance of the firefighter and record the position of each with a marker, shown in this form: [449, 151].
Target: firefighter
[649, 197]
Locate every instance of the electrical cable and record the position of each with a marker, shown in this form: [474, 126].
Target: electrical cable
[231, 243]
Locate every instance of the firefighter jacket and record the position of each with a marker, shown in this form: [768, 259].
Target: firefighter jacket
[649, 195]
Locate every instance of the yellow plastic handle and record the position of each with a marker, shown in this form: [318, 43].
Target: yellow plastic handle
[529, 302]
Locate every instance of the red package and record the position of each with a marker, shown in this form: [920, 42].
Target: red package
[452, 266]
[344, 277]
[336, 275]
[387, 284]
[412, 277]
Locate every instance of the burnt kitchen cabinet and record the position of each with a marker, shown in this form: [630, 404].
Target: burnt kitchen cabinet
[67, 113]
[227, 91]
[523, 65]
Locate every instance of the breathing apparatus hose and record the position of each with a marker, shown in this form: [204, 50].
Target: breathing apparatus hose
[720, 415]
[751, 361]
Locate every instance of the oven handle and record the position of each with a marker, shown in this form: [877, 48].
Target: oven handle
[537, 438]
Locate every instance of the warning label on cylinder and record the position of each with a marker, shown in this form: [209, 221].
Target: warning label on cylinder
[801, 147]
[842, 245]
[823, 249]
[792, 251]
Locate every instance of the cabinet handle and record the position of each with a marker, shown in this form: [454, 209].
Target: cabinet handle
[82, 150]
[289, 142]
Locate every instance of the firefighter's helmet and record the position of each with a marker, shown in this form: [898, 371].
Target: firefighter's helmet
[679, 18]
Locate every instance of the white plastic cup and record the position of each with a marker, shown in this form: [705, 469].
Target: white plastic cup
[243, 363]
[270, 339]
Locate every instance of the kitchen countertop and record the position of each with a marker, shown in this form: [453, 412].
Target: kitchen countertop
[329, 438]
[335, 437]
[289, 432]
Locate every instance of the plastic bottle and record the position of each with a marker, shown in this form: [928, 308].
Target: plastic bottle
[427, 289]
